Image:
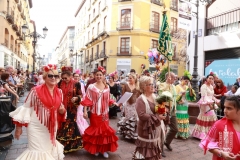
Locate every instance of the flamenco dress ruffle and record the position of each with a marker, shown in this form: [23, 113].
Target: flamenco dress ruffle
[182, 120]
[204, 120]
[99, 136]
[148, 150]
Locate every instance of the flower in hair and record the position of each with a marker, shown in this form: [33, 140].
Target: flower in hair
[49, 67]
[213, 74]
[100, 68]
[78, 71]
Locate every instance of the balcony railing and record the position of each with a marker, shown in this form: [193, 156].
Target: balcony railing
[174, 6]
[16, 1]
[103, 54]
[128, 25]
[96, 56]
[124, 51]
[15, 27]
[124, 0]
[91, 58]
[154, 27]
[101, 32]
[86, 59]
[157, 2]
[11, 47]
[10, 18]
[6, 42]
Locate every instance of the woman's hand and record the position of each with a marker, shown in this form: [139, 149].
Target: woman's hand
[229, 156]
[18, 132]
[61, 109]
[162, 117]
[85, 115]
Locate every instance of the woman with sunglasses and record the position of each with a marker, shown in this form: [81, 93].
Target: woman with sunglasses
[41, 113]
[68, 134]
[127, 125]
[99, 137]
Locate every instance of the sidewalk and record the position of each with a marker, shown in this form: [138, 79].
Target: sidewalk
[182, 149]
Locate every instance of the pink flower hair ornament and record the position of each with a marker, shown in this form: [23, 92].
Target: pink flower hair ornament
[78, 71]
[49, 67]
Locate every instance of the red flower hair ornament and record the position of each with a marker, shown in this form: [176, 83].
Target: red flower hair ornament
[49, 67]
[212, 74]
[100, 68]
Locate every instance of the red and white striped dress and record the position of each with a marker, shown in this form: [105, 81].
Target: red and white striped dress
[99, 136]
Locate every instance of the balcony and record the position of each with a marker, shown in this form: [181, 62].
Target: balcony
[103, 54]
[98, 14]
[96, 56]
[128, 25]
[87, 59]
[19, 7]
[157, 2]
[18, 33]
[124, 0]
[153, 27]
[10, 18]
[16, 1]
[15, 27]
[91, 58]
[124, 51]
[11, 47]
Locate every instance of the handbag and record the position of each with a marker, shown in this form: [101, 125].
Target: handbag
[89, 112]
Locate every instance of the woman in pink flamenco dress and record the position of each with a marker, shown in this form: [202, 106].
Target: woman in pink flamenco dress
[207, 104]
[81, 122]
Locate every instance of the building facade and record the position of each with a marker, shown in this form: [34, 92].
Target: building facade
[117, 34]
[14, 50]
[66, 44]
[218, 40]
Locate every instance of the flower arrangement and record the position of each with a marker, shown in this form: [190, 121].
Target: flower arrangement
[49, 67]
[160, 108]
[102, 69]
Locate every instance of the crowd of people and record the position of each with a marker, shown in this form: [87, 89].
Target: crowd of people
[60, 104]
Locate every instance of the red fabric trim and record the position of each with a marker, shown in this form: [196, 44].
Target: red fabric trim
[20, 124]
[205, 123]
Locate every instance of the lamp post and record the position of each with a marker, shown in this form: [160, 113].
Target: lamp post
[74, 54]
[35, 37]
[195, 57]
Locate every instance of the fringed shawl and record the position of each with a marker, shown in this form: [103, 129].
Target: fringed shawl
[46, 107]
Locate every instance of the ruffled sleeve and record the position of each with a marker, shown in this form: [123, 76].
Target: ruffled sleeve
[22, 115]
[87, 100]
[150, 121]
[211, 140]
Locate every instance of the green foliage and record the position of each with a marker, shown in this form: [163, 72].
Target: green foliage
[163, 73]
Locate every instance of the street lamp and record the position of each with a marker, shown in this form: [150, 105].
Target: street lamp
[35, 37]
[195, 57]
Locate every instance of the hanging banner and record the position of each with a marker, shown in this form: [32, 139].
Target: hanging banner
[184, 15]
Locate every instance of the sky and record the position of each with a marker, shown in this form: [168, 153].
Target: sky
[56, 15]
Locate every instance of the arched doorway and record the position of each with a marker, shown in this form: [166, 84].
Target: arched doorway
[6, 36]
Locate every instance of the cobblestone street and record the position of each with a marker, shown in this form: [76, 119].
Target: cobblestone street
[182, 149]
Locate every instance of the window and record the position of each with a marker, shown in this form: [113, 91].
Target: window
[154, 43]
[105, 20]
[98, 28]
[99, 7]
[155, 22]
[174, 5]
[124, 46]
[89, 18]
[125, 18]
[94, 13]
[173, 25]
[88, 35]
[93, 32]
[174, 51]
